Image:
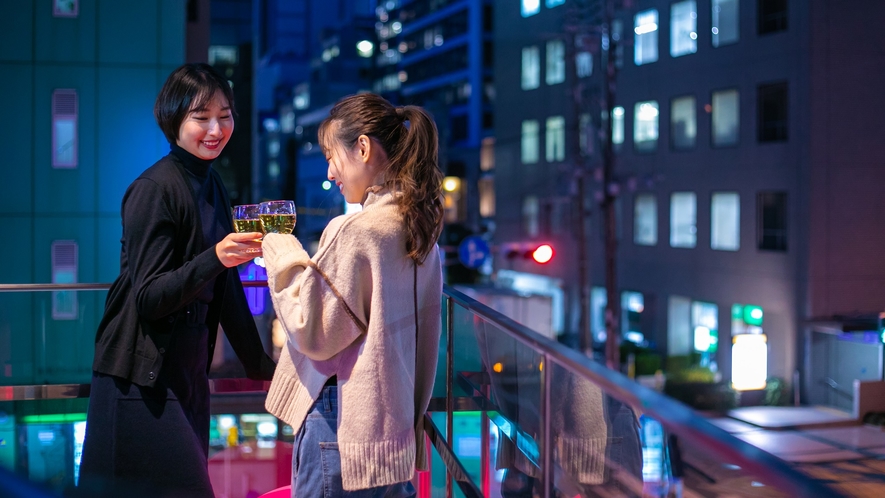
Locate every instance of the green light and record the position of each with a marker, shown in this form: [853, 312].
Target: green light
[327, 185]
[753, 315]
[55, 418]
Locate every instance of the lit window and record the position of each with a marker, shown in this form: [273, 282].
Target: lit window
[555, 62]
[645, 220]
[584, 64]
[726, 22]
[598, 301]
[679, 333]
[632, 306]
[487, 154]
[555, 139]
[531, 68]
[64, 271]
[705, 326]
[645, 27]
[530, 210]
[683, 28]
[529, 7]
[223, 54]
[645, 126]
[725, 219]
[618, 125]
[302, 96]
[683, 123]
[529, 141]
[553, 3]
[683, 219]
[726, 118]
[64, 129]
[486, 186]
[66, 8]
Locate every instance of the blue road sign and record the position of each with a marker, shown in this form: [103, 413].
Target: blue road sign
[473, 251]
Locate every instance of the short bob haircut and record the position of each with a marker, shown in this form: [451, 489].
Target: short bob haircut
[190, 87]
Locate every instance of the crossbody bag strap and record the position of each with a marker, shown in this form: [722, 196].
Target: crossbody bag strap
[415, 294]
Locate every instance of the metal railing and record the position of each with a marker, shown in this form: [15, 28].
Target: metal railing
[691, 428]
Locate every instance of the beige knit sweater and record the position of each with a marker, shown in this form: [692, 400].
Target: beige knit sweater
[349, 311]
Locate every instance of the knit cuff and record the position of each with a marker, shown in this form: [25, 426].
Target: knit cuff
[378, 463]
[282, 251]
[582, 459]
[288, 399]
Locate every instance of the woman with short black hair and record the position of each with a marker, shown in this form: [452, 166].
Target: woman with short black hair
[148, 421]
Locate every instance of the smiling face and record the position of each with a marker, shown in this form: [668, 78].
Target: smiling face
[354, 170]
[204, 132]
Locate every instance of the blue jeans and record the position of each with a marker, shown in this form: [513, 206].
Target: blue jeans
[316, 463]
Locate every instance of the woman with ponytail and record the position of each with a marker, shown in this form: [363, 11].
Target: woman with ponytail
[362, 316]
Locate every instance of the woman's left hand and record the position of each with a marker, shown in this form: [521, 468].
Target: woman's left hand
[238, 248]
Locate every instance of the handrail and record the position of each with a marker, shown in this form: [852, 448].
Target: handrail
[87, 287]
[691, 428]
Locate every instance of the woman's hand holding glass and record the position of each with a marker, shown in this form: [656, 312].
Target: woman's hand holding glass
[245, 244]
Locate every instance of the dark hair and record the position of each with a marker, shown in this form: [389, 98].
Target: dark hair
[412, 152]
[191, 86]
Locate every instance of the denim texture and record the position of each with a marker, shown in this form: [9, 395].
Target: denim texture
[316, 463]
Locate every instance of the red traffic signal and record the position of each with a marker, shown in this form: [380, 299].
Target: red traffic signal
[541, 254]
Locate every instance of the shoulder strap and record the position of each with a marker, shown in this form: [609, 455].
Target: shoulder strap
[415, 294]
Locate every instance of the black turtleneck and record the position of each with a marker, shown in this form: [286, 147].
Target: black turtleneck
[209, 200]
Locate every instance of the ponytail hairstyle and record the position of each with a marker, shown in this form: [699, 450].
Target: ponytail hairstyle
[412, 153]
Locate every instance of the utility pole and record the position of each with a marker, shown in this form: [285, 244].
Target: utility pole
[592, 20]
[610, 190]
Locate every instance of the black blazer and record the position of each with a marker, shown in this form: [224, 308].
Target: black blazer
[162, 270]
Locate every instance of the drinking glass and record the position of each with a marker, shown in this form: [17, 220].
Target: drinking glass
[246, 218]
[277, 216]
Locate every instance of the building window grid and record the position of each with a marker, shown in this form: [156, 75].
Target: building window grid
[645, 220]
[771, 221]
[725, 118]
[725, 18]
[531, 68]
[528, 8]
[773, 105]
[554, 143]
[645, 126]
[683, 28]
[725, 221]
[645, 28]
[683, 122]
[683, 220]
[529, 141]
[771, 16]
[555, 62]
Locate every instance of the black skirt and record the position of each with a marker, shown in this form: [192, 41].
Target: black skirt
[151, 441]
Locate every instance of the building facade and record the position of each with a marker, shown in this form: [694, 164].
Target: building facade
[78, 89]
[745, 171]
[439, 55]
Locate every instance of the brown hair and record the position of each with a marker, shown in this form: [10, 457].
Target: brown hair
[413, 159]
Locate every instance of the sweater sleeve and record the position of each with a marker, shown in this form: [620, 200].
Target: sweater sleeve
[150, 229]
[317, 320]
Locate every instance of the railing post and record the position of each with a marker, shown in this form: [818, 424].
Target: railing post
[450, 395]
[485, 441]
[546, 371]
